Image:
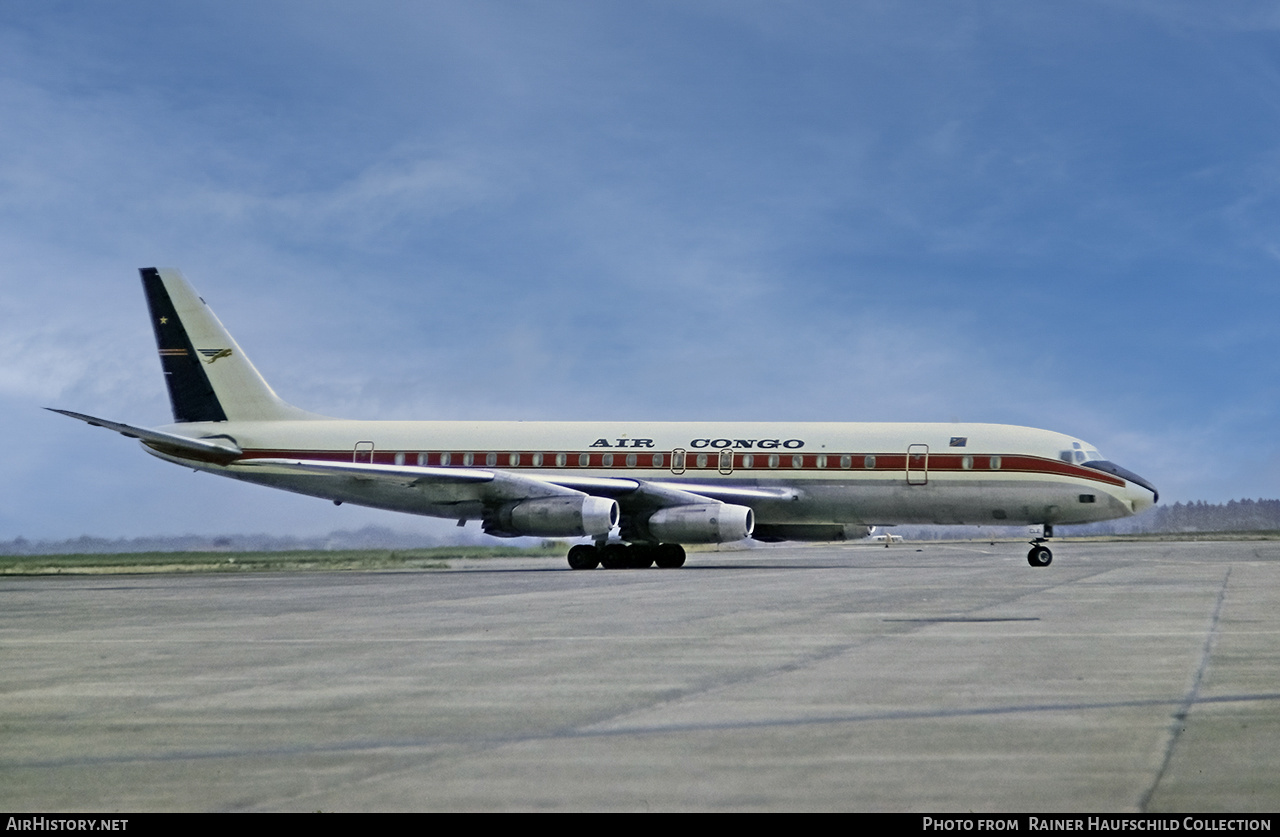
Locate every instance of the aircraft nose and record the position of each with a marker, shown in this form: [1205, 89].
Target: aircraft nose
[1142, 494]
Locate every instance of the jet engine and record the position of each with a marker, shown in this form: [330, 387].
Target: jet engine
[555, 517]
[702, 523]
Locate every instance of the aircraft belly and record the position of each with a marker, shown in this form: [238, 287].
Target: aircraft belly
[972, 502]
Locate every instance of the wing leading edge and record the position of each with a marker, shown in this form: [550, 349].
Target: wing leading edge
[647, 510]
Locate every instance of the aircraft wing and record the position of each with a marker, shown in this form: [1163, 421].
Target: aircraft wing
[207, 450]
[633, 495]
[399, 474]
[730, 493]
[508, 485]
[491, 485]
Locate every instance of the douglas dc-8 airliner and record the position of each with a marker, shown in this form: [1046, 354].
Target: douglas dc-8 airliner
[638, 490]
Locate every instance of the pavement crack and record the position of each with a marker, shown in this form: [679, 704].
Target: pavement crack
[1178, 724]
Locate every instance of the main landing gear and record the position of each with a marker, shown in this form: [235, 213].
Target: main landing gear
[636, 556]
[1040, 555]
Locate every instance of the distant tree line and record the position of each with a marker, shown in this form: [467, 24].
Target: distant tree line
[370, 537]
[1198, 516]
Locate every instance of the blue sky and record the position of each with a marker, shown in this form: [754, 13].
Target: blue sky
[1057, 215]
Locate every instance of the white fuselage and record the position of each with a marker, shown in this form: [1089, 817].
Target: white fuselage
[824, 473]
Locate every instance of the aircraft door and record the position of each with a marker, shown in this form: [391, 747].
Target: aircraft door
[677, 461]
[918, 465]
[726, 461]
[363, 453]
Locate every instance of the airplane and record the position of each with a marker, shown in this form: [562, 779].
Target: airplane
[637, 490]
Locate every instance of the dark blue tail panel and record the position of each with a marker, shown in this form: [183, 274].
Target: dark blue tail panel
[190, 392]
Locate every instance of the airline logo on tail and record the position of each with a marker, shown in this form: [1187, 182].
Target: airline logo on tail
[213, 354]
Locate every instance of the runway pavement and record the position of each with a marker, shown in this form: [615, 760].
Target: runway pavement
[943, 677]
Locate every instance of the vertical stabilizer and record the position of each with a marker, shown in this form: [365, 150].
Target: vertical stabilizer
[208, 375]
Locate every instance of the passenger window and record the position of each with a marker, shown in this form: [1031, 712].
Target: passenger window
[822, 462]
[748, 461]
[584, 460]
[422, 459]
[966, 462]
[995, 463]
[657, 460]
[561, 459]
[631, 460]
[537, 460]
[400, 458]
[607, 460]
[491, 459]
[702, 460]
[773, 460]
[468, 458]
[797, 462]
[514, 459]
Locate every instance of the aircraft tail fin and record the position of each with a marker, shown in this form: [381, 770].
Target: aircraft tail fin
[209, 377]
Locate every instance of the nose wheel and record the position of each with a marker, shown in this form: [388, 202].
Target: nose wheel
[1040, 555]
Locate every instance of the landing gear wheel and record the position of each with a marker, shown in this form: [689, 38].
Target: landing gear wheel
[583, 557]
[615, 556]
[669, 556]
[1040, 556]
[640, 556]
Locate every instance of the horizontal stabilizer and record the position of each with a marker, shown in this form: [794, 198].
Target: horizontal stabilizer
[209, 449]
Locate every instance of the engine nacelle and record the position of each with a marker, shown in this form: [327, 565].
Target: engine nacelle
[556, 517]
[703, 523]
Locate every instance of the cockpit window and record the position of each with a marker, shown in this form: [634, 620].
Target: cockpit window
[1079, 453]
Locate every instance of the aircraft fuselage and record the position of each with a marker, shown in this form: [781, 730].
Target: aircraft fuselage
[826, 473]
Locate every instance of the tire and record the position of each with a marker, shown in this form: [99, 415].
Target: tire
[1040, 556]
[669, 556]
[640, 556]
[583, 557]
[614, 557]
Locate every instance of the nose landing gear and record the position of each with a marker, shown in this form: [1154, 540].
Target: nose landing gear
[1040, 555]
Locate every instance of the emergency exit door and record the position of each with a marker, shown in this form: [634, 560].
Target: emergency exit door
[918, 465]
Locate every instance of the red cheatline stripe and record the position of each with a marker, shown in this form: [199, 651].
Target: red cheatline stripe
[884, 462]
